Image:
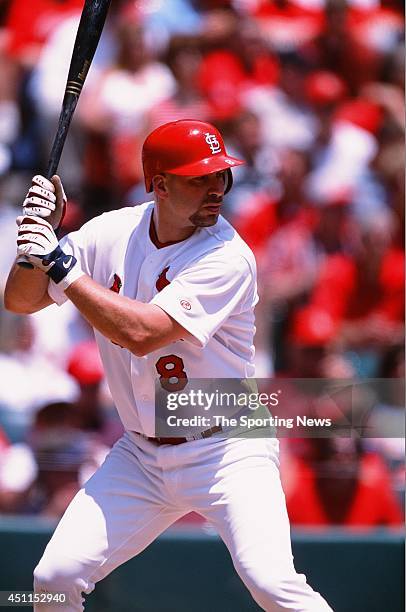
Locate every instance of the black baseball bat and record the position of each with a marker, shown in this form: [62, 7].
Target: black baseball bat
[91, 25]
[87, 38]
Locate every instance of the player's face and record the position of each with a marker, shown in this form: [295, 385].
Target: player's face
[197, 200]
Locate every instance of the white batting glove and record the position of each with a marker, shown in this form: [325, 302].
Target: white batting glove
[37, 242]
[46, 199]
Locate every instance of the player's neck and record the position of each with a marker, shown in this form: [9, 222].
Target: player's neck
[164, 231]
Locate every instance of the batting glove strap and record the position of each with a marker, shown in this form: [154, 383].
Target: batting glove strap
[59, 264]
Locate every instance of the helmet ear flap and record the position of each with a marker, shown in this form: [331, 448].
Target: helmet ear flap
[229, 181]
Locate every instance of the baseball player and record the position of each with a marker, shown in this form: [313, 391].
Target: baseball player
[170, 290]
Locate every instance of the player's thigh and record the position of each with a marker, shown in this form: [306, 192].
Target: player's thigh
[246, 504]
[119, 511]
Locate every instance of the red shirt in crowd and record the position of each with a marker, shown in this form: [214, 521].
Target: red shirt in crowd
[373, 502]
[346, 294]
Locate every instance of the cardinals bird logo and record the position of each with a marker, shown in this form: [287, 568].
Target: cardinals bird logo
[162, 281]
[117, 284]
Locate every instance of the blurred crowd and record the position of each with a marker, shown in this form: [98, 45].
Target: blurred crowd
[311, 94]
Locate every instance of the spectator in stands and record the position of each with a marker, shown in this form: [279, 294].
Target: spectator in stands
[289, 25]
[236, 62]
[29, 24]
[256, 181]
[187, 102]
[3, 440]
[7, 220]
[42, 477]
[364, 291]
[340, 165]
[266, 211]
[10, 111]
[90, 412]
[386, 422]
[288, 121]
[115, 110]
[31, 379]
[18, 471]
[337, 483]
[309, 340]
[65, 458]
[40, 36]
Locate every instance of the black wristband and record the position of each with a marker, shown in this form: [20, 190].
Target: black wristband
[62, 265]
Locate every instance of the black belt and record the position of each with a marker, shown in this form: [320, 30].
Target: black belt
[204, 434]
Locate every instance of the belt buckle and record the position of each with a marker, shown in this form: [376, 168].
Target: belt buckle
[208, 433]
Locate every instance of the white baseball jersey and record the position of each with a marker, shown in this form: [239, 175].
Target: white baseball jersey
[207, 283]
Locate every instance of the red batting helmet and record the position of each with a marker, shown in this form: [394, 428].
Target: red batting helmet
[186, 148]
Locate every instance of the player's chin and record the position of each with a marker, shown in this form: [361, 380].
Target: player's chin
[206, 220]
[212, 220]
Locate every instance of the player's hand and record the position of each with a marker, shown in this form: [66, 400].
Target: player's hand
[46, 199]
[37, 242]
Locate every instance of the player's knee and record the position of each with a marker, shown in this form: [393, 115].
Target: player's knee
[47, 579]
[57, 579]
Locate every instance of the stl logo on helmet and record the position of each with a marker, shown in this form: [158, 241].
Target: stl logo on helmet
[213, 143]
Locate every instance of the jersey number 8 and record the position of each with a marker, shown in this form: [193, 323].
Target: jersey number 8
[172, 375]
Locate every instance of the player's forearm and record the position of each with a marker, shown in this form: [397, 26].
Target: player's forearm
[139, 327]
[26, 290]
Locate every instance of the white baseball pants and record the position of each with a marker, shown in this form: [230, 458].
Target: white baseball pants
[142, 488]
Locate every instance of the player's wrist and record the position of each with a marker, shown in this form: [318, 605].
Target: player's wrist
[70, 278]
[57, 290]
[58, 264]
[63, 270]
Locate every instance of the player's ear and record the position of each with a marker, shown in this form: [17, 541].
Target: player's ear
[159, 185]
